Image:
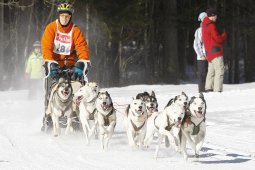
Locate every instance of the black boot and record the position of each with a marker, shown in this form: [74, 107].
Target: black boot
[76, 122]
[47, 124]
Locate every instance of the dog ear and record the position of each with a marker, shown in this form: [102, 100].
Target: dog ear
[153, 94]
[184, 94]
[61, 80]
[192, 99]
[201, 95]
[107, 93]
[169, 103]
[175, 98]
[127, 109]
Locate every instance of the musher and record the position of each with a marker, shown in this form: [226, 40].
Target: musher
[63, 47]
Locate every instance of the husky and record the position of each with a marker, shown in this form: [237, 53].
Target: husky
[85, 99]
[181, 99]
[106, 118]
[193, 127]
[150, 102]
[135, 120]
[167, 123]
[60, 105]
[143, 96]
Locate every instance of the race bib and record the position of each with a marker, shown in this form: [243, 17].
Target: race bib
[63, 42]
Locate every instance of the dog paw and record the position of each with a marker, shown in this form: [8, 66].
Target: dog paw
[197, 155]
[146, 147]
[177, 149]
[134, 146]
[90, 134]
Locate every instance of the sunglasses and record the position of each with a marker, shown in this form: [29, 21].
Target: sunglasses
[64, 15]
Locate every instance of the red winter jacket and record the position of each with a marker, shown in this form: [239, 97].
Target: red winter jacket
[212, 39]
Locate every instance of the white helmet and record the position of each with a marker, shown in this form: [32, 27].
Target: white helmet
[201, 16]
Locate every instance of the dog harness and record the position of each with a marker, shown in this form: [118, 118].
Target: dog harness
[196, 128]
[135, 127]
[92, 114]
[168, 127]
[106, 117]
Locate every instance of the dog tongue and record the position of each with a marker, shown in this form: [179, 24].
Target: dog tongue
[150, 109]
[199, 114]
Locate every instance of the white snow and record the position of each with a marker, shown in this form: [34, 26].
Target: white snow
[229, 143]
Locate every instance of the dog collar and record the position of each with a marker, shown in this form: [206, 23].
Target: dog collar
[137, 128]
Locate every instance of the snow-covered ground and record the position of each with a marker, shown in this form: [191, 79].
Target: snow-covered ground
[229, 143]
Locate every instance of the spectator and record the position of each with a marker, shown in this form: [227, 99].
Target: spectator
[213, 42]
[34, 70]
[198, 46]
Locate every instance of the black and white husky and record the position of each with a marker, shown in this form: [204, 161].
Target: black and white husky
[106, 118]
[150, 102]
[166, 124]
[60, 104]
[181, 99]
[194, 128]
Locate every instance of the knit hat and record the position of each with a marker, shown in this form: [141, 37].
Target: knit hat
[211, 12]
[201, 16]
[37, 44]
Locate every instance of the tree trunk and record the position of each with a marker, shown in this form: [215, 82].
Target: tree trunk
[170, 44]
[1, 43]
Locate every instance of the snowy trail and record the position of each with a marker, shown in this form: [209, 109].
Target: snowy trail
[229, 143]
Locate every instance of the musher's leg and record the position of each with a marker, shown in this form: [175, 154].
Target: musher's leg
[48, 84]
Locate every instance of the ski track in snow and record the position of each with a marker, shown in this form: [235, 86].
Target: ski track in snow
[229, 142]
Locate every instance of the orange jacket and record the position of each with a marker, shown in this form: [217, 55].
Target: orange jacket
[79, 44]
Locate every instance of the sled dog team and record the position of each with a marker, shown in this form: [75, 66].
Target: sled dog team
[182, 120]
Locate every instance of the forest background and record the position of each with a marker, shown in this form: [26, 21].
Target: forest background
[131, 41]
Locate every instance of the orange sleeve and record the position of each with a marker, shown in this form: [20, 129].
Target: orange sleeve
[48, 41]
[80, 44]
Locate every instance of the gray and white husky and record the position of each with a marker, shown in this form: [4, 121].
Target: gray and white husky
[194, 128]
[61, 104]
[106, 118]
